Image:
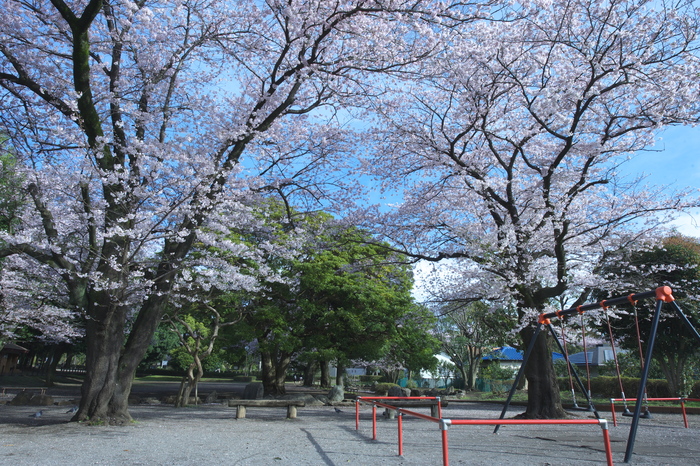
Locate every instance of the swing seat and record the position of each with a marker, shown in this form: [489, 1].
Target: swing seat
[576, 407]
[645, 415]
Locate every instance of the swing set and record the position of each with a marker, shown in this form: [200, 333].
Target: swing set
[663, 295]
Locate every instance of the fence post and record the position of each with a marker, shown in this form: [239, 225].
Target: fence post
[444, 424]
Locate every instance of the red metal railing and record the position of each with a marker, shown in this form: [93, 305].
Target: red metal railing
[682, 400]
[445, 423]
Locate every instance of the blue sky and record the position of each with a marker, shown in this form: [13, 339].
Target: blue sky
[674, 161]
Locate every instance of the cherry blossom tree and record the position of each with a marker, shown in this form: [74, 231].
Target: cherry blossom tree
[146, 125]
[509, 146]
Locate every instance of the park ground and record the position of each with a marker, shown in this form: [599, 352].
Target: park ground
[211, 434]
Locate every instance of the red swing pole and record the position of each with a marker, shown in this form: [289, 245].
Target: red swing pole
[568, 366]
[585, 355]
[617, 369]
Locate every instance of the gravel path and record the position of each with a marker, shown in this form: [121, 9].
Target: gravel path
[210, 435]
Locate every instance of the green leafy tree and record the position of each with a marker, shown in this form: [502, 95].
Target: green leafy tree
[356, 294]
[163, 342]
[341, 297]
[677, 264]
[414, 346]
[465, 330]
[12, 196]
[197, 329]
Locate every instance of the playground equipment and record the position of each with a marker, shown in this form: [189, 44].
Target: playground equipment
[444, 424]
[682, 400]
[663, 295]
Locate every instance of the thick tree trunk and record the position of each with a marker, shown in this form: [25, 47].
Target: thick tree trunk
[473, 371]
[325, 374]
[673, 369]
[104, 338]
[310, 374]
[110, 365]
[57, 351]
[274, 371]
[340, 374]
[543, 398]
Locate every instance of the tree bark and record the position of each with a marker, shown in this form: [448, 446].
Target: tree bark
[274, 371]
[543, 398]
[104, 397]
[340, 373]
[309, 374]
[55, 354]
[189, 382]
[110, 365]
[325, 374]
[474, 361]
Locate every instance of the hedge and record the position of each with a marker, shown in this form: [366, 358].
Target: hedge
[609, 387]
[369, 379]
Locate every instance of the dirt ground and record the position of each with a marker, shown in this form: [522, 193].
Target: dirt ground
[211, 434]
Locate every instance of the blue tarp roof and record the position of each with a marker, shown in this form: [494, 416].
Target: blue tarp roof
[508, 353]
[505, 352]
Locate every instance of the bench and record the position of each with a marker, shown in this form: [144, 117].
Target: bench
[41, 390]
[291, 406]
[410, 404]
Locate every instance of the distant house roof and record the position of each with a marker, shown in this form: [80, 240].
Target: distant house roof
[11, 348]
[504, 353]
[508, 353]
[596, 356]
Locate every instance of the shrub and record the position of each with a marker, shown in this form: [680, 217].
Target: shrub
[609, 387]
[495, 372]
[695, 390]
[383, 388]
[370, 379]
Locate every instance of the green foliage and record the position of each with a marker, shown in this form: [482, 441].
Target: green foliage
[355, 294]
[383, 388]
[676, 264]
[181, 360]
[414, 346]
[695, 390]
[465, 330]
[494, 371]
[370, 379]
[163, 342]
[348, 298]
[11, 193]
[609, 387]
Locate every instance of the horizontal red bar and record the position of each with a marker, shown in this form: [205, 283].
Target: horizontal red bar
[651, 399]
[366, 398]
[493, 422]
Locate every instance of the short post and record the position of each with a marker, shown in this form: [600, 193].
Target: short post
[612, 410]
[291, 412]
[606, 440]
[685, 416]
[374, 421]
[400, 419]
[357, 414]
[240, 412]
[444, 424]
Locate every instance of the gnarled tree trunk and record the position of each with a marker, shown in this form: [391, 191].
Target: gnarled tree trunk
[543, 398]
[274, 371]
